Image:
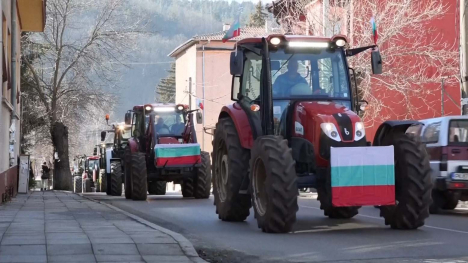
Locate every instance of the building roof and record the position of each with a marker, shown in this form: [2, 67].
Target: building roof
[247, 32]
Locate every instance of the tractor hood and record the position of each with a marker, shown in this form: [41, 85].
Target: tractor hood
[321, 117]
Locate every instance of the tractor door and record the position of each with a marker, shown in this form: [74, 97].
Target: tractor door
[249, 86]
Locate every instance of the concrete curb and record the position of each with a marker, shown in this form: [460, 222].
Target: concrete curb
[184, 243]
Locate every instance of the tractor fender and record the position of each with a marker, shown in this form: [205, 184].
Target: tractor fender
[133, 145]
[392, 127]
[241, 121]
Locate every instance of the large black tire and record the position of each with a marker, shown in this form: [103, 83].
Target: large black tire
[203, 179]
[87, 185]
[139, 177]
[231, 163]
[157, 188]
[443, 201]
[103, 179]
[127, 175]
[273, 183]
[325, 198]
[187, 187]
[77, 184]
[116, 178]
[413, 183]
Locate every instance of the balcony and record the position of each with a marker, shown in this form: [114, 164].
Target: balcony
[32, 15]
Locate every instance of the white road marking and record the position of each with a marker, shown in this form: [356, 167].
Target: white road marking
[373, 217]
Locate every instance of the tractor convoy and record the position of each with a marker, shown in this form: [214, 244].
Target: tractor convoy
[285, 131]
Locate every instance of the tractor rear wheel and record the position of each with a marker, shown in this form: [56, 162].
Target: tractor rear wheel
[203, 179]
[273, 184]
[78, 184]
[157, 188]
[187, 187]
[103, 179]
[413, 184]
[230, 168]
[139, 177]
[324, 196]
[128, 175]
[116, 178]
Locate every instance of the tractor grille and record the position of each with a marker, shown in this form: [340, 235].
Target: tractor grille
[326, 143]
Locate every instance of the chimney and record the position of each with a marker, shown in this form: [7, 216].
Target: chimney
[226, 27]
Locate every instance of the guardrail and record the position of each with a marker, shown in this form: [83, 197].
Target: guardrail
[8, 184]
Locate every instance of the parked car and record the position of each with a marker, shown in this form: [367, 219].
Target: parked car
[446, 140]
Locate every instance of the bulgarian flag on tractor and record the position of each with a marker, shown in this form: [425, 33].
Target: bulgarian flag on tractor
[234, 31]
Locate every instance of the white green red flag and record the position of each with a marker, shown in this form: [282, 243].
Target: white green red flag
[234, 31]
[374, 30]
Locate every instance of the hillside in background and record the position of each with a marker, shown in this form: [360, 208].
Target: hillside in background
[173, 22]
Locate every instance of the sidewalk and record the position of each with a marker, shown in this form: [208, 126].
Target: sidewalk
[57, 226]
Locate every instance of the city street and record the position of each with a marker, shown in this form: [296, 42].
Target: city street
[315, 238]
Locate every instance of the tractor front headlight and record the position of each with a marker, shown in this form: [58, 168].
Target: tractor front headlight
[330, 130]
[359, 131]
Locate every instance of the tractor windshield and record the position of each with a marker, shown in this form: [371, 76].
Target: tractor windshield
[169, 123]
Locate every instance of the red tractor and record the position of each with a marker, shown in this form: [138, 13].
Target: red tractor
[295, 124]
[163, 148]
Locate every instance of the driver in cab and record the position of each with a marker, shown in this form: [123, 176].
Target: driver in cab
[160, 127]
[284, 82]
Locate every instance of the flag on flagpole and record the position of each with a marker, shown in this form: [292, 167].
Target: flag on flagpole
[234, 31]
[374, 30]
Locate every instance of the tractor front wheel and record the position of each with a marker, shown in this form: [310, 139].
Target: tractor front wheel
[324, 196]
[103, 179]
[128, 174]
[157, 188]
[273, 184]
[78, 184]
[413, 184]
[187, 187]
[116, 178]
[230, 169]
[139, 177]
[203, 179]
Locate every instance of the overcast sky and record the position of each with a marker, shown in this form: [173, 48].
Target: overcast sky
[255, 1]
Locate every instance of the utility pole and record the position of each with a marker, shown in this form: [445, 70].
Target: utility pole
[464, 54]
[190, 92]
[442, 111]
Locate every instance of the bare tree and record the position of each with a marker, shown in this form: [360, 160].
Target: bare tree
[79, 55]
[416, 59]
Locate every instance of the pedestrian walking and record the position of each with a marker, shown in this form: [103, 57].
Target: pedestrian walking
[45, 177]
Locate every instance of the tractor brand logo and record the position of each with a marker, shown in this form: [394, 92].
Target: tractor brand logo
[299, 128]
[346, 131]
[339, 114]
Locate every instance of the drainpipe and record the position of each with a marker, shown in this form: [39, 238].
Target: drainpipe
[203, 96]
[14, 35]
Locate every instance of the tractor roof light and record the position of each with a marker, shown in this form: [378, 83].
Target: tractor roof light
[275, 41]
[340, 42]
[164, 109]
[121, 127]
[308, 44]
[180, 107]
[148, 108]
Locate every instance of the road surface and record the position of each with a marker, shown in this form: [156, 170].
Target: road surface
[314, 238]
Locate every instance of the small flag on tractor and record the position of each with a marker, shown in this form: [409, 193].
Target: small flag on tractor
[374, 30]
[234, 31]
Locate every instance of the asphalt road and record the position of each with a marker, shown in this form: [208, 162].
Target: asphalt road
[315, 238]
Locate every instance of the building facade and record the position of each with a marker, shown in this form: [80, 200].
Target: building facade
[18, 16]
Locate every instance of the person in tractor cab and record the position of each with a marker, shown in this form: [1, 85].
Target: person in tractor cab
[178, 127]
[284, 82]
[160, 127]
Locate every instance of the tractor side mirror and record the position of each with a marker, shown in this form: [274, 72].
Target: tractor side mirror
[237, 63]
[376, 61]
[95, 151]
[128, 118]
[363, 105]
[199, 117]
[103, 136]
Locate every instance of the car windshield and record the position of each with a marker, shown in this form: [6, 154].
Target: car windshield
[172, 123]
